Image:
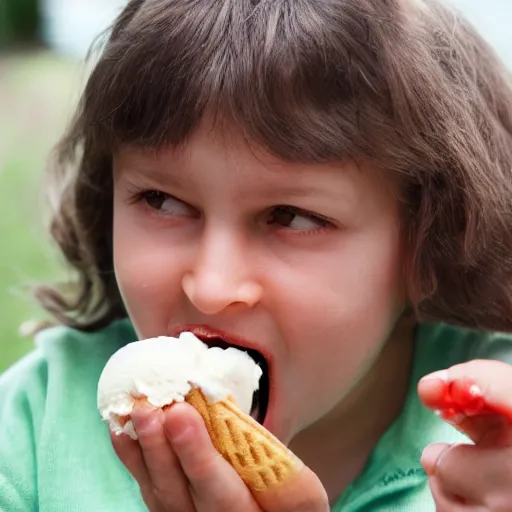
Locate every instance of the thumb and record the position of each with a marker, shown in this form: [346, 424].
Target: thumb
[475, 397]
[430, 456]
[278, 480]
[301, 493]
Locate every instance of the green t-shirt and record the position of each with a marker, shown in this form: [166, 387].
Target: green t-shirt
[56, 455]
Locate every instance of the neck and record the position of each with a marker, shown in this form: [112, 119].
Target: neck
[337, 447]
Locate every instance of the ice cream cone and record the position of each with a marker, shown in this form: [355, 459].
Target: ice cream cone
[260, 459]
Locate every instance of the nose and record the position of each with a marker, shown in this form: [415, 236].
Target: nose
[221, 276]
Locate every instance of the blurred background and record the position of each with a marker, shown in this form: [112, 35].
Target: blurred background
[43, 44]
[42, 48]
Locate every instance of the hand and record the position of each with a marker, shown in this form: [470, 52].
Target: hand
[179, 470]
[475, 397]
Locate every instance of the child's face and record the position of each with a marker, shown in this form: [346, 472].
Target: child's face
[316, 285]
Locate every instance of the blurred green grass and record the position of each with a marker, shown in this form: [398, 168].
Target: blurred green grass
[37, 92]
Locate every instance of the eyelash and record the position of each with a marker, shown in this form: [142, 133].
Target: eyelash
[138, 195]
[322, 222]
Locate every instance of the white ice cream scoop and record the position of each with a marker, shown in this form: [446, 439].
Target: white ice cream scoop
[163, 370]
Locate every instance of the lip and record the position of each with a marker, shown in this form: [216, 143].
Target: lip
[206, 332]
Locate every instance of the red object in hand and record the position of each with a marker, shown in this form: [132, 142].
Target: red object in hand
[464, 397]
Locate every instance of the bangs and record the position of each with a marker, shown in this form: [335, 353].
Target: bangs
[305, 80]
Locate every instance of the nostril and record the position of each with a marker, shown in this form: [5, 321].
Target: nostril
[250, 294]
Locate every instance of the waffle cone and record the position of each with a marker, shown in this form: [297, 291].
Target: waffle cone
[260, 459]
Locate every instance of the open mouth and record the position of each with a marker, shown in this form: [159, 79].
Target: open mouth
[260, 398]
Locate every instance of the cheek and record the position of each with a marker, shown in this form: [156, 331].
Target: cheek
[148, 273]
[350, 291]
[341, 310]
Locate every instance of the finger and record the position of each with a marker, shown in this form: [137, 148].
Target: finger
[214, 484]
[446, 502]
[490, 393]
[493, 378]
[167, 482]
[487, 430]
[479, 475]
[491, 428]
[304, 493]
[130, 454]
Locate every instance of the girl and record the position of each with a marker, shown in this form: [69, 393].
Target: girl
[325, 181]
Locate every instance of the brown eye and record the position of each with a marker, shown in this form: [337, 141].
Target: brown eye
[295, 219]
[168, 205]
[282, 216]
[155, 199]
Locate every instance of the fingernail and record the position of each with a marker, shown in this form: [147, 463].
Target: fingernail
[440, 375]
[431, 455]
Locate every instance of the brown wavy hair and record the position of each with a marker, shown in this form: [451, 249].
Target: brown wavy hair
[405, 85]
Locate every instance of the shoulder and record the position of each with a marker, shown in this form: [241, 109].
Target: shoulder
[64, 359]
[61, 354]
[48, 406]
[61, 349]
[63, 345]
[23, 389]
